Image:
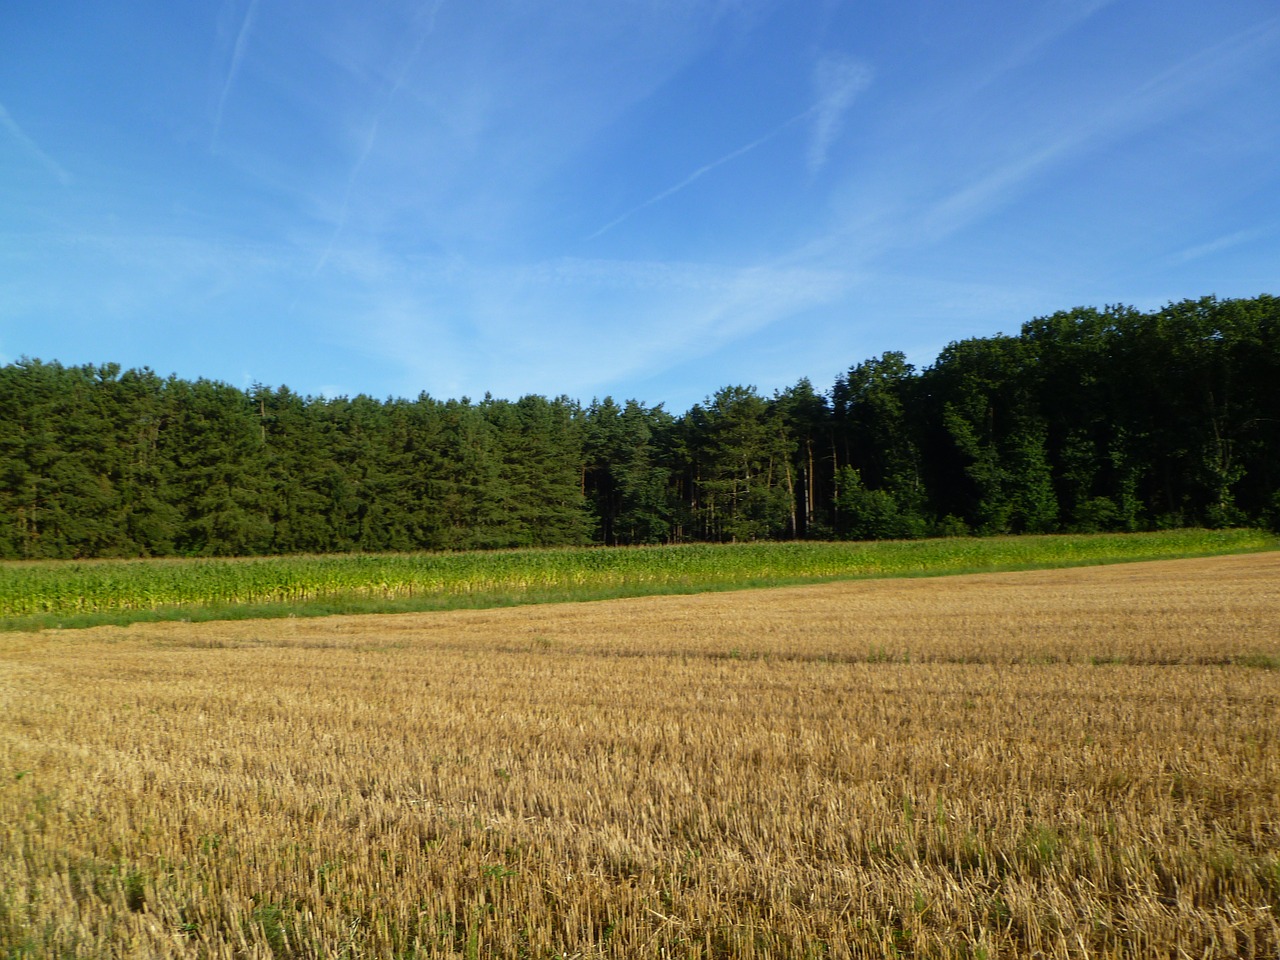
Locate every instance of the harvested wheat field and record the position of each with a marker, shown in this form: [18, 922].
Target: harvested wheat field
[1077, 763]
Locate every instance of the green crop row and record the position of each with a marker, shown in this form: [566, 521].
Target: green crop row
[57, 588]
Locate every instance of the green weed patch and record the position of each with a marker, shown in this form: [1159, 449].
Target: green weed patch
[68, 594]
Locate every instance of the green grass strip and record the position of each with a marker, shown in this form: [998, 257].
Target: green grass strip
[37, 595]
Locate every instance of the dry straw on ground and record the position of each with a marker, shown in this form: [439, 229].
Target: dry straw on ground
[1079, 763]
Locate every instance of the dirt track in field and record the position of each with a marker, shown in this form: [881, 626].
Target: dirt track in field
[1196, 610]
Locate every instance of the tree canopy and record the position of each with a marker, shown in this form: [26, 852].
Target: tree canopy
[1086, 420]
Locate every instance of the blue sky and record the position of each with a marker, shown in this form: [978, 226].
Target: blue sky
[637, 198]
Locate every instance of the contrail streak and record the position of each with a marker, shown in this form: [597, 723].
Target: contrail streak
[237, 56]
[702, 172]
[33, 148]
[372, 136]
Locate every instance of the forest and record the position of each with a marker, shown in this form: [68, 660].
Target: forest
[1087, 420]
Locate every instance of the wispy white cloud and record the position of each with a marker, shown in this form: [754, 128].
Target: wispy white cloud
[1056, 21]
[233, 69]
[370, 138]
[454, 327]
[427, 17]
[1219, 244]
[989, 190]
[837, 82]
[1200, 74]
[1168, 93]
[31, 147]
[457, 125]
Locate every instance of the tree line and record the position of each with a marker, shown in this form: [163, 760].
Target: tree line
[1088, 420]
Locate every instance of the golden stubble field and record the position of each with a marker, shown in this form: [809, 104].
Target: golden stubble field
[1078, 763]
